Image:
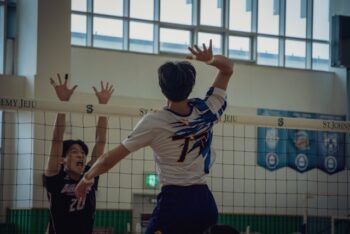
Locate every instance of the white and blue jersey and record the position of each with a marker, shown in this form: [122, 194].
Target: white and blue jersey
[181, 143]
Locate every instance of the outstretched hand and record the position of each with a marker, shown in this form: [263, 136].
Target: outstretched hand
[62, 91]
[204, 55]
[105, 94]
[82, 189]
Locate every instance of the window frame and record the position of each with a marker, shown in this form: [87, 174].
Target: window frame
[224, 30]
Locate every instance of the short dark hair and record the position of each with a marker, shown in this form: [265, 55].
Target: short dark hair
[68, 143]
[176, 80]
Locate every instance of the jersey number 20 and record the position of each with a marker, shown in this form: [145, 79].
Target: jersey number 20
[76, 204]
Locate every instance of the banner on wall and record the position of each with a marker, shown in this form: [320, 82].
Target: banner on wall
[301, 150]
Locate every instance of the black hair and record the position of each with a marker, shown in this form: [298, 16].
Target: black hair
[221, 229]
[68, 143]
[176, 80]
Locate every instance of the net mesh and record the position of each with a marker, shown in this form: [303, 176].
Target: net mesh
[249, 196]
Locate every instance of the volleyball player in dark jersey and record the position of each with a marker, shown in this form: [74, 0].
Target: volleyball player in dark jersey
[65, 168]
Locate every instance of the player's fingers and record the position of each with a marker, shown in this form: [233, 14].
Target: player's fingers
[76, 192]
[110, 88]
[210, 44]
[94, 88]
[192, 51]
[65, 79]
[52, 82]
[74, 87]
[198, 49]
[59, 78]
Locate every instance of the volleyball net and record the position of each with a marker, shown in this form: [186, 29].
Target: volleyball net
[275, 172]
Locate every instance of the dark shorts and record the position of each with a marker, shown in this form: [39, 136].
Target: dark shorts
[183, 209]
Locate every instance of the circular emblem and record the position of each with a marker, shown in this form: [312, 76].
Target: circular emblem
[301, 140]
[301, 161]
[330, 163]
[330, 144]
[271, 138]
[271, 160]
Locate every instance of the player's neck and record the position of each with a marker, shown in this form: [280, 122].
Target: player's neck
[179, 107]
[73, 175]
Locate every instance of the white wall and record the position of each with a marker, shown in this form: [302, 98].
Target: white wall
[12, 86]
[252, 86]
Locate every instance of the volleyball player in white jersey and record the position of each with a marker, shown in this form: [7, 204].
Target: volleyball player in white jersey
[180, 136]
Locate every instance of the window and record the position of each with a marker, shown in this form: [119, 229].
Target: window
[267, 51]
[142, 9]
[141, 37]
[78, 30]
[79, 23]
[109, 7]
[296, 18]
[108, 33]
[239, 47]
[268, 21]
[320, 56]
[321, 20]
[179, 11]
[211, 12]
[295, 53]
[79, 5]
[240, 15]
[286, 33]
[174, 40]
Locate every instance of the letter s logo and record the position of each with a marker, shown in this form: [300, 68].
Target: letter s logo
[280, 122]
[89, 109]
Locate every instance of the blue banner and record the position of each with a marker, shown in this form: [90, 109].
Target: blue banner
[300, 149]
[272, 150]
[331, 148]
[301, 145]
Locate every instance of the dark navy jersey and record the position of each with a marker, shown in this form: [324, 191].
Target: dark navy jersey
[69, 214]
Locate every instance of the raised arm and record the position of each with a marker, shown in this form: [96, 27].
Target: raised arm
[64, 94]
[103, 97]
[222, 63]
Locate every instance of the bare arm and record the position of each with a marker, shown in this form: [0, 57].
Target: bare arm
[53, 165]
[101, 129]
[102, 165]
[225, 67]
[54, 161]
[222, 63]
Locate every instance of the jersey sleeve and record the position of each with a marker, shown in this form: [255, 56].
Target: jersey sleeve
[53, 184]
[141, 136]
[216, 100]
